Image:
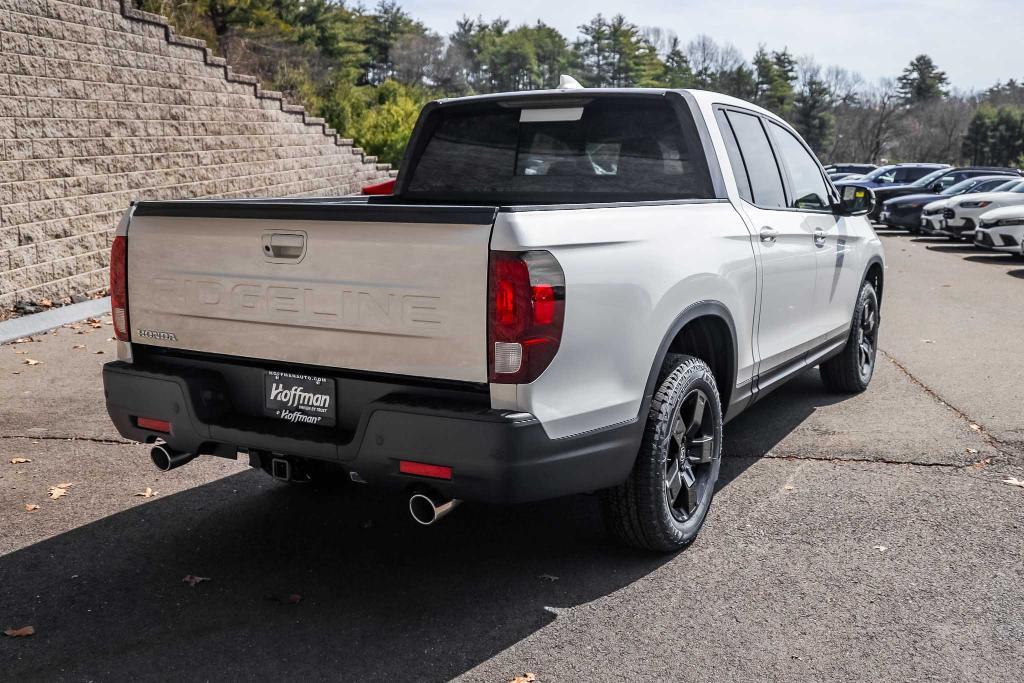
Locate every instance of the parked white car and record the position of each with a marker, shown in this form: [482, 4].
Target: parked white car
[1002, 230]
[962, 215]
[931, 220]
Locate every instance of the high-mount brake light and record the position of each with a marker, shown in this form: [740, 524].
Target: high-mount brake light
[526, 302]
[119, 287]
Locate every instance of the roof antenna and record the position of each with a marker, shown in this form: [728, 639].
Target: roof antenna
[567, 82]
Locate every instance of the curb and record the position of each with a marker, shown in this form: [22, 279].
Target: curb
[28, 325]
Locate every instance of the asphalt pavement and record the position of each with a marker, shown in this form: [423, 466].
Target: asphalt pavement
[852, 538]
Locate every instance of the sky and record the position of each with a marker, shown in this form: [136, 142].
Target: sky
[976, 42]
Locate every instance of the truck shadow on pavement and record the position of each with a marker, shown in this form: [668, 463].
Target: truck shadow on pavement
[323, 584]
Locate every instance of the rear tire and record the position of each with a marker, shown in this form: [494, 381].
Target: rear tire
[850, 372]
[664, 502]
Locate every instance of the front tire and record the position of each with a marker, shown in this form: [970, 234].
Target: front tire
[850, 372]
[664, 502]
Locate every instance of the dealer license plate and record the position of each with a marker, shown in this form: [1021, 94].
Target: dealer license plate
[301, 399]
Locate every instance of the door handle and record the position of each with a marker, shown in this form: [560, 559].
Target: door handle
[769, 234]
[284, 246]
[819, 237]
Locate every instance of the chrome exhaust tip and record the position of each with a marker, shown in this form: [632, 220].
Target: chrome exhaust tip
[166, 458]
[427, 508]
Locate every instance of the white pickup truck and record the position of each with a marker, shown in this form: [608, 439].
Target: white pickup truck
[568, 291]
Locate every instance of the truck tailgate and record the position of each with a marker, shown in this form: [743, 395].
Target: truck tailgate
[382, 288]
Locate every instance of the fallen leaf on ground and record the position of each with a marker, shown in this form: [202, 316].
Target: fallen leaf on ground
[78, 346]
[30, 361]
[73, 326]
[1014, 481]
[59, 490]
[976, 427]
[148, 493]
[22, 340]
[525, 678]
[972, 450]
[928, 341]
[193, 580]
[99, 352]
[20, 353]
[22, 632]
[18, 461]
[45, 303]
[880, 548]
[788, 487]
[31, 507]
[548, 577]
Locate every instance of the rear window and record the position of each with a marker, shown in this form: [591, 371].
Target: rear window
[614, 149]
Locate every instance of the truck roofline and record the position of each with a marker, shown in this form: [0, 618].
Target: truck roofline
[699, 96]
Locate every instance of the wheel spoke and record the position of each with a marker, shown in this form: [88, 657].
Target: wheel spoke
[696, 416]
[679, 431]
[700, 450]
[865, 354]
[673, 481]
[690, 497]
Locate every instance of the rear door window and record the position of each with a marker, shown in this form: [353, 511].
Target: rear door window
[606, 149]
[759, 161]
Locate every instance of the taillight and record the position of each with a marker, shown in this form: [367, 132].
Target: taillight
[526, 309]
[119, 287]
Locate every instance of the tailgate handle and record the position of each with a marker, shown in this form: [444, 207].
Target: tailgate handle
[284, 247]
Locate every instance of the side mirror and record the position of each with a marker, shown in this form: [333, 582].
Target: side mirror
[855, 200]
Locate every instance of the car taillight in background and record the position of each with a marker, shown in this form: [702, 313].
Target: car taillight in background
[526, 309]
[387, 187]
[119, 287]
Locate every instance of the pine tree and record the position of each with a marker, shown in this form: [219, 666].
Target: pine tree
[922, 81]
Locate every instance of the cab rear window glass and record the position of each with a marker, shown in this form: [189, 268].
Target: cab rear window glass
[616, 149]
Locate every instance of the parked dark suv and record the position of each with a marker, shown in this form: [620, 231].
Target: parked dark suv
[833, 169]
[894, 174]
[936, 182]
[905, 212]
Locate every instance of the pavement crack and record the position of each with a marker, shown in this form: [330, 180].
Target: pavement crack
[48, 437]
[1002, 449]
[871, 461]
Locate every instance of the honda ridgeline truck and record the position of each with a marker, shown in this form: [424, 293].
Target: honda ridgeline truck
[568, 291]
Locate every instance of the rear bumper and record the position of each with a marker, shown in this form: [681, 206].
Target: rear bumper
[495, 456]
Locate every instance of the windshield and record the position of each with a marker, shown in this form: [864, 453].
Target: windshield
[961, 187]
[1007, 186]
[880, 171]
[929, 179]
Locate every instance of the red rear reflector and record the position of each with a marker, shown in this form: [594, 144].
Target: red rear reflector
[154, 424]
[387, 187]
[422, 469]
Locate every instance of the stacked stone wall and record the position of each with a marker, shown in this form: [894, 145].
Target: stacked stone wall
[102, 104]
